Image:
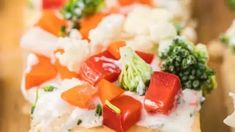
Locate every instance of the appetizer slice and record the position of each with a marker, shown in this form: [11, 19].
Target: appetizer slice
[121, 66]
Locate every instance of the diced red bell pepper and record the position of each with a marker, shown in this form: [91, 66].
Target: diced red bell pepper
[129, 115]
[52, 4]
[148, 58]
[162, 92]
[81, 96]
[99, 67]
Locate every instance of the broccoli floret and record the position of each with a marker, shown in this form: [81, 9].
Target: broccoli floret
[76, 9]
[189, 62]
[136, 73]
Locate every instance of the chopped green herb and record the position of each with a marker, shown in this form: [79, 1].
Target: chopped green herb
[189, 62]
[63, 31]
[35, 101]
[79, 122]
[49, 88]
[98, 110]
[113, 107]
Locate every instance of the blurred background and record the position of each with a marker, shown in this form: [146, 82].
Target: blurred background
[213, 17]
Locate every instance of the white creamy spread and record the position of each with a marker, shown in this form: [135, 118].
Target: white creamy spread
[52, 113]
[180, 119]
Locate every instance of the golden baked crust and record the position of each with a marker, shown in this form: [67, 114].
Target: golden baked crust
[195, 128]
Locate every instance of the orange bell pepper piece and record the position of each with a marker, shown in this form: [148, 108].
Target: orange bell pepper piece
[114, 48]
[63, 71]
[90, 23]
[108, 90]
[40, 73]
[81, 96]
[51, 23]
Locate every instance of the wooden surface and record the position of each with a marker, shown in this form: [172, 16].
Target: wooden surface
[213, 18]
[12, 118]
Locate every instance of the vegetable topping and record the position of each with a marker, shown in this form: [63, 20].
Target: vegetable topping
[81, 96]
[162, 92]
[52, 4]
[40, 72]
[136, 73]
[129, 114]
[49, 88]
[108, 90]
[101, 66]
[189, 62]
[77, 9]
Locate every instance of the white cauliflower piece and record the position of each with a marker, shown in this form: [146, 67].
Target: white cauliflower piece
[141, 18]
[161, 31]
[39, 41]
[140, 43]
[109, 29]
[179, 8]
[75, 52]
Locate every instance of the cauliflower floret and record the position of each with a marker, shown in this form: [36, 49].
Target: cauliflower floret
[75, 52]
[141, 43]
[109, 29]
[179, 8]
[141, 18]
[39, 41]
[161, 31]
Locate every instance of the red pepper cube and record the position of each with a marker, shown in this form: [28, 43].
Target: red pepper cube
[148, 58]
[99, 67]
[162, 92]
[129, 116]
[52, 4]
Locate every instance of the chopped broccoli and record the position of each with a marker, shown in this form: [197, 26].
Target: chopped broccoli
[76, 9]
[189, 62]
[136, 73]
